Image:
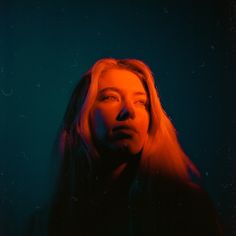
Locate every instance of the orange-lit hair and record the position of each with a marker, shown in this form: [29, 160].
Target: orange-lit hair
[162, 152]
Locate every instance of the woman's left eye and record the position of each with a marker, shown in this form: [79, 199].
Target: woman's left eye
[141, 102]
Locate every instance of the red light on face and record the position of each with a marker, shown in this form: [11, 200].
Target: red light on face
[119, 115]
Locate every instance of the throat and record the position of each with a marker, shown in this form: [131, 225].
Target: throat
[115, 166]
[118, 171]
[116, 175]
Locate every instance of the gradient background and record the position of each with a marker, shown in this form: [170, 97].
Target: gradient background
[46, 46]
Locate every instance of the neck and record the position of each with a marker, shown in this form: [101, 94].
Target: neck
[116, 170]
[116, 163]
[119, 170]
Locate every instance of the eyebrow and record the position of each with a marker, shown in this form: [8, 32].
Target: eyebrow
[119, 91]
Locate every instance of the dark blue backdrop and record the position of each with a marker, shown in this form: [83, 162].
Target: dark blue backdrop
[44, 49]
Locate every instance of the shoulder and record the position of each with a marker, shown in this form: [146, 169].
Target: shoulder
[197, 209]
[188, 206]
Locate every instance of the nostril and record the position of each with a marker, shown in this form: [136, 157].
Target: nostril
[126, 113]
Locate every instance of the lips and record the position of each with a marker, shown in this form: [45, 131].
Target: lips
[124, 128]
[123, 132]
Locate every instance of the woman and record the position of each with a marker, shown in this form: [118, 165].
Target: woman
[123, 170]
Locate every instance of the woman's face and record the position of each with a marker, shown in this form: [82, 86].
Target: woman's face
[119, 117]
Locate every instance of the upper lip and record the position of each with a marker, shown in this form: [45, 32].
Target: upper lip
[122, 127]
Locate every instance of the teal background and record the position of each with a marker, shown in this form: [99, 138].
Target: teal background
[46, 46]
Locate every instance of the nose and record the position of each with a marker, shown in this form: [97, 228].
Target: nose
[127, 112]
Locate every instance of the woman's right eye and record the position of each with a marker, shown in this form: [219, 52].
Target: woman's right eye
[109, 98]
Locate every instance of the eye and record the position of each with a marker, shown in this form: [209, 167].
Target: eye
[109, 98]
[141, 102]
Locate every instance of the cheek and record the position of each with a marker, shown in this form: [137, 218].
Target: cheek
[143, 122]
[101, 122]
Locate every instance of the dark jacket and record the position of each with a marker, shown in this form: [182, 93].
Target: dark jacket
[157, 207]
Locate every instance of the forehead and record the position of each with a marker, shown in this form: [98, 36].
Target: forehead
[122, 79]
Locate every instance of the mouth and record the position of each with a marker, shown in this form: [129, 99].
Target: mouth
[124, 128]
[123, 132]
[121, 135]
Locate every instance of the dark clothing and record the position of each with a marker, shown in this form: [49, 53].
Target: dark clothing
[161, 207]
[130, 205]
[175, 209]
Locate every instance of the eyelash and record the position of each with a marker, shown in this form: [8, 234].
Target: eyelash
[141, 102]
[114, 98]
[109, 97]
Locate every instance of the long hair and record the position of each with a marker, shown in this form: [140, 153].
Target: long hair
[161, 154]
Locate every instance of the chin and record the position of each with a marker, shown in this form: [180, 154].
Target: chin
[126, 147]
